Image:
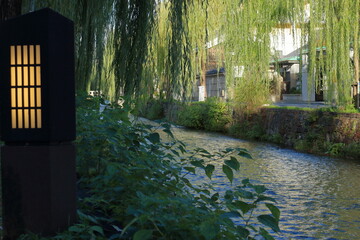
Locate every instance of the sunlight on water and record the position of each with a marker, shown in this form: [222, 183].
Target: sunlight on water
[319, 197]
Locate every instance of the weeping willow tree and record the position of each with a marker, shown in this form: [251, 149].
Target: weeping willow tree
[155, 48]
[330, 28]
[178, 53]
[91, 19]
[169, 64]
[110, 36]
[205, 36]
[247, 30]
[114, 36]
[333, 33]
[133, 24]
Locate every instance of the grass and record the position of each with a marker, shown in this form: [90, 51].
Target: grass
[324, 109]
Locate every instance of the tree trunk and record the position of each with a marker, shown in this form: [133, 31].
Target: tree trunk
[9, 9]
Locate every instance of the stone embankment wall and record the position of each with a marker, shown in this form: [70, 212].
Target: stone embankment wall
[316, 131]
[295, 125]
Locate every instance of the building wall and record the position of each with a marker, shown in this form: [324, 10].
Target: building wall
[284, 43]
[215, 87]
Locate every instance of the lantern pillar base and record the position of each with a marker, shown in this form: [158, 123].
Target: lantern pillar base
[38, 189]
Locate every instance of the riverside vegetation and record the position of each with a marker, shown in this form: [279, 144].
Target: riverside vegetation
[133, 185]
[215, 115]
[144, 48]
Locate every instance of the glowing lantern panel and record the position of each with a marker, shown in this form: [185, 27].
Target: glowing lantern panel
[25, 85]
[37, 79]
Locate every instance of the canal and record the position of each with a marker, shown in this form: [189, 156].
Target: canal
[319, 197]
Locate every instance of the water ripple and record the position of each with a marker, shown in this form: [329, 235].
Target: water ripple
[319, 197]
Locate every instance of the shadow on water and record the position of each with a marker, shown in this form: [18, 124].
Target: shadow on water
[319, 197]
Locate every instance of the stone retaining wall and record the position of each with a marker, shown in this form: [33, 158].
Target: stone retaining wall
[294, 125]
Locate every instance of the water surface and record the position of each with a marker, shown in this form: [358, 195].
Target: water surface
[319, 197]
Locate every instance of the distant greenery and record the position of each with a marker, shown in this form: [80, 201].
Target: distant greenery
[215, 115]
[152, 109]
[294, 90]
[211, 115]
[147, 48]
[133, 185]
[315, 139]
[347, 109]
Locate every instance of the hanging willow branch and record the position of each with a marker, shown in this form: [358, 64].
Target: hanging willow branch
[333, 30]
[133, 25]
[156, 48]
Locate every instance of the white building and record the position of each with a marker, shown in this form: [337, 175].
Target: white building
[285, 44]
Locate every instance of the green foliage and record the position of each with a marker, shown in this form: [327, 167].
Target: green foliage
[314, 137]
[146, 48]
[335, 148]
[154, 109]
[319, 146]
[193, 115]
[211, 115]
[293, 108]
[218, 114]
[244, 203]
[331, 32]
[351, 150]
[347, 109]
[294, 90]
[275, 138]
[98, 132]
[249, 130]
[135, 186]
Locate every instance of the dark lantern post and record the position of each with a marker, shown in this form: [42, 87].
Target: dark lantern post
[37, 107]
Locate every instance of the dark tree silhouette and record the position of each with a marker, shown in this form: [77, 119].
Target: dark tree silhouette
[9, 9]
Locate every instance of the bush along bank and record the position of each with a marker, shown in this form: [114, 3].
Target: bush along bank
[317, 131]
[210, 115]
[136, 186]
[314, 131]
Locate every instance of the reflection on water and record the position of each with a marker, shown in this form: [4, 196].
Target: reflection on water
[319, 197]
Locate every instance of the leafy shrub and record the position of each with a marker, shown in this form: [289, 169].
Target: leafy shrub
[302, 145]
[155, 110]
[193, 115]
[152, 109]
[217, 115]
[335, 149]
[275, 138]
[249, 130]
[136, 186]
[351, 150]
[211, 115]
[294, 90]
